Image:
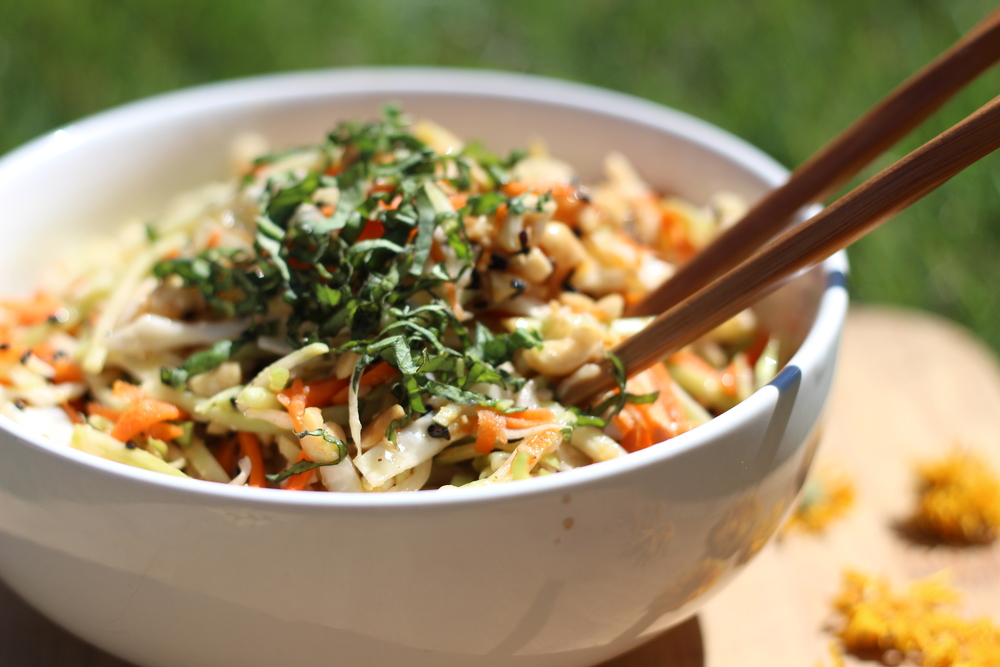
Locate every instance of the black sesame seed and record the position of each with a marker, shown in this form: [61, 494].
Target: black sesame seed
[58, 354]
[189, 315]
[577, 232]
[130, 445]
[232, 401]
[567, 283]
[4, 346]
[475, 280]
[498, 262]
[52, 319]
[438, 431]
[20, 405]
[25, 357]
[523, 239]
[519, 287]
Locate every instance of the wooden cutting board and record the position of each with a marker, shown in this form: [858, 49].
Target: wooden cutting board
[909, 385]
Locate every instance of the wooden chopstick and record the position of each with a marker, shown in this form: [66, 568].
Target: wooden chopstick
[849, 218]
[894, 117]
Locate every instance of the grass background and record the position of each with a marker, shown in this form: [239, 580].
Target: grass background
[786, 75]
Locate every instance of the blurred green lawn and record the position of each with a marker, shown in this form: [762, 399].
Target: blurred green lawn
[785, 75]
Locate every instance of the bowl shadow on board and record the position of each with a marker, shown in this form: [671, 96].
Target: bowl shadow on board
[27, 639]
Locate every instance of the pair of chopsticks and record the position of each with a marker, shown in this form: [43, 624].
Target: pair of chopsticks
[734, 271]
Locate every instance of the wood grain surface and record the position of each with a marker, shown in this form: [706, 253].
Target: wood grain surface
[909, 386]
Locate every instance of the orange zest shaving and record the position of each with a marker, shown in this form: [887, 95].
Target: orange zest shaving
[918, 623]
[958, 499]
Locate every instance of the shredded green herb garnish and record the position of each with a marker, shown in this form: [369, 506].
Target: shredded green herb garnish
[360, 278]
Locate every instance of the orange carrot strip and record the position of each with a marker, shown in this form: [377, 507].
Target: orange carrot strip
[318, 392]
[458, 200]
[515, 188]
[638, 438]
[250, 447]
[66, 371]
[214, 237]
[529, 418]
[490, 430]
[141, 416]
[102, 410]
[32, 310]
[297, 409]
[436, 254]
[501, 213]
[451, 291]
[127, 393]
[727, 379]
[164, 431]
[73, 414]
[301, 481]
[377, 374]
[373, 229]
[756, 348]
[225, 453]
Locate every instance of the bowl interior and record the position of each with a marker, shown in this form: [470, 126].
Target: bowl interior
[91, 176]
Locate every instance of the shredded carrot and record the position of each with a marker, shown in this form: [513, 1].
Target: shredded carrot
[225, 454]
[164, 431]
[319, 393]
[515, 188]
[379, 373]
[250, 447]
[376, 375]
[295, 399]
[102, 410]
[32, 310]
[373, 229]
[301, 481]
[458, 200]
[674, 241]
[756, 348]
[436, 254]
[173, 253]
[452, 292]
[392, 205]
[214, 237]
[640, 437]
[127, 393]
[529, 418]
[727, 380]
[501, 213]
[490, 430]
[296, 264]
[65, 369]
[141, 416]
[73, 414]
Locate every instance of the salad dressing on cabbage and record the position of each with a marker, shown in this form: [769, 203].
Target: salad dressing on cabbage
[389, 310]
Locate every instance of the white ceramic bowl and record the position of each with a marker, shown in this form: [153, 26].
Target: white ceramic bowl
[567, 570]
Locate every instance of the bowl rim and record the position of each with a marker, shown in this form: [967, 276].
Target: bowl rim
[289, 87]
